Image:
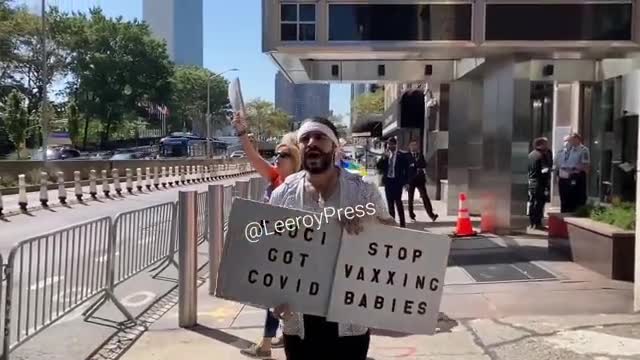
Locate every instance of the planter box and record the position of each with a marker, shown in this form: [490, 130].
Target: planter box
[603, 248]
[558, 237]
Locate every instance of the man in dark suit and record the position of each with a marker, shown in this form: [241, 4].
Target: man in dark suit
[417, 180]
[393, 166]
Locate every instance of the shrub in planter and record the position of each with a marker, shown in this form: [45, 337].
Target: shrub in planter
[622, 215]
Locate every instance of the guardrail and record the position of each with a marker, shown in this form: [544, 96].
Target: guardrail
[49, 276]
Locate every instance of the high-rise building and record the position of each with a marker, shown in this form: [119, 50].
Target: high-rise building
[180, 24]
[357, 90]
[301, 101]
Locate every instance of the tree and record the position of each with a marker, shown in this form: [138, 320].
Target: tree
[120, 64]
[73, 123]
[265, 119]
[369, 104]
[189, 101]
[343, 130]
[16, 120]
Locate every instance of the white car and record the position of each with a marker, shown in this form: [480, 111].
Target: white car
[237, 154]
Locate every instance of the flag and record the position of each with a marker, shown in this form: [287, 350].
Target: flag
[353, 168]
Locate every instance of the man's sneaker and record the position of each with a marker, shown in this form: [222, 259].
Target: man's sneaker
[255, 351]
[434, 217]
[277, 343]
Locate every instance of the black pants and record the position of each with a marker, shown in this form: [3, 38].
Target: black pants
[573, 192]
[537, 200]
[321, 342]
[419, 183]
[393, 193]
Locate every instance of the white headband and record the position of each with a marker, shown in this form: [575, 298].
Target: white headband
[312, 126]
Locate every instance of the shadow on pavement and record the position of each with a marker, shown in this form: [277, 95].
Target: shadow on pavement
[222, 336]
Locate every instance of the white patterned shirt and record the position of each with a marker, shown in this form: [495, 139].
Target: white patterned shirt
[353, 191]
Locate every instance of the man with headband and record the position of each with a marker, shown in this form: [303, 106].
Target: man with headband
[322, 184]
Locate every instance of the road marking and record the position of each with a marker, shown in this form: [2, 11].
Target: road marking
[148, 296]
[49, 281]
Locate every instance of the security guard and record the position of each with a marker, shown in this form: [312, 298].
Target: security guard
[540, 164]
[572, 165]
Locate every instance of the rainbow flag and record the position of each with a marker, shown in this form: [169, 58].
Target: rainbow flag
[353, 167]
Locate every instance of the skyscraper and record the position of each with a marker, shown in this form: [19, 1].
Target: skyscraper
[358, 90]
[180, 24]
[301, 101]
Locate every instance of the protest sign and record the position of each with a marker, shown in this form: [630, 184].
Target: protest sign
[286, 264]
[392, 280]
[235, 97]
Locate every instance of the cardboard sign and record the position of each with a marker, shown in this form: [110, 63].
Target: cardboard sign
[235, 97]
[390, 278]
[290, 266]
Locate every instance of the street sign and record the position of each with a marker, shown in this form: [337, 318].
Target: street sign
[390, 278]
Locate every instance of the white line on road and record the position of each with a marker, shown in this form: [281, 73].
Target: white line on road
[49, 281]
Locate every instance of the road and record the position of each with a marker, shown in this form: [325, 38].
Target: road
[66, 271]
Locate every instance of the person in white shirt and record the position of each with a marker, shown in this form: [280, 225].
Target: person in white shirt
[572, 166]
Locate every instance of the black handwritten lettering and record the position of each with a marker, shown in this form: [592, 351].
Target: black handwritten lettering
[402, 253]
[272, 255]
[407, 307]
[298, 286]
[347, 270]
[293, 233]
[390, 277]
[308, 234]
[405, 280]
[360, 274]
[376, 274]
[373, 249]
[304, 257]
[393, 306]
[283, 281]
[288, 257]
[434, 284]
[422, 308]
[378, 303]
[363, 301]
[388, 247]
[420, 280]
[255, 273]
[417, 253]
[324, 237]
[314, 288]
[268, 280]
[348, 297]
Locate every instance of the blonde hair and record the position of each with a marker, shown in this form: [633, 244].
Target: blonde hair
[290, 140]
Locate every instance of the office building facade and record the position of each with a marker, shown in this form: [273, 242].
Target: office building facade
[301, 101]
[180, 24]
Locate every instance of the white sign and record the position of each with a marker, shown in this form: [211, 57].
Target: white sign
[235, 97]
[286, 264]
[390, 278]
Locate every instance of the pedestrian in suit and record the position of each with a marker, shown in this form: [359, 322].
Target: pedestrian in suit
[418, 180]
[540, 164]
[393, 166]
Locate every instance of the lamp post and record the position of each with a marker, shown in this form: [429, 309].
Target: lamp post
[44, 122]
[208, 117]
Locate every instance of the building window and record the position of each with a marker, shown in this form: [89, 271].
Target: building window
[562, 22]
[400, 22]
[297, 22]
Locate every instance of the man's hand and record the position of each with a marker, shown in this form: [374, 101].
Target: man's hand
[283, 312]
[239, 123]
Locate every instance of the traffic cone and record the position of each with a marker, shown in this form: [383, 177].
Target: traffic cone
[463, 227]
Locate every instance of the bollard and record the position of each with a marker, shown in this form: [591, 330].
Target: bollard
[22, 192]
[156, 180]
[187, 255]
[77, 185]
[163, 175]
[210, 172]
[62, 192]
[183, 177]
[93, 187]
[200, 173]
[188, 174]
[242, 189]
[194, 173]
[116, 181]
[129, 180]
[105, 184]
[148, 177]
[170, 176]
[215, 230]
[139, 179]
[44, 191]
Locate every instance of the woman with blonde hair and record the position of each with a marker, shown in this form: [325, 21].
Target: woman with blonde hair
[288, 161]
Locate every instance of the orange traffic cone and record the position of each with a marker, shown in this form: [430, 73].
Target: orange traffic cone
[463, 227]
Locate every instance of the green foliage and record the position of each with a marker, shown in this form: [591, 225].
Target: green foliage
[189, 101]
[266, 120]
[619, 214]
[369, 104]
[73, 123]
[16, 120]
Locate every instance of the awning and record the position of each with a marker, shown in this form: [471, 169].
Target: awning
[372, 128]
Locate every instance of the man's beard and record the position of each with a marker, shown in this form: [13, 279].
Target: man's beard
[319, 163]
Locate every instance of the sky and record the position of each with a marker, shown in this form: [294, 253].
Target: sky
[232, 39]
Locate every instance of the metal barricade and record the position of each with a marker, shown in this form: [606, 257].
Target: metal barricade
[51, 275]
[142, 238]
[202, 217]
[3, 284]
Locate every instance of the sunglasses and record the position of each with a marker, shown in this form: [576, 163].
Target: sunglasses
[282, 156]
